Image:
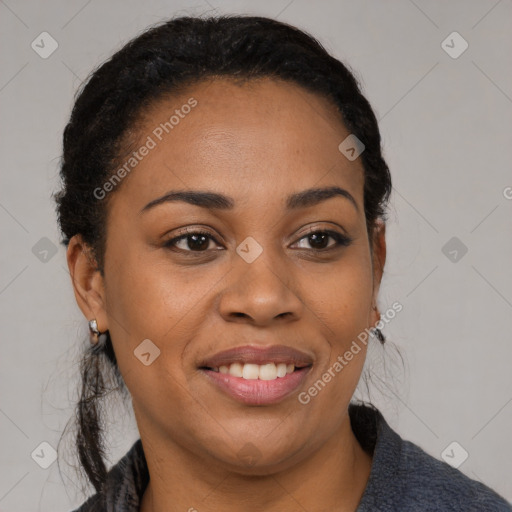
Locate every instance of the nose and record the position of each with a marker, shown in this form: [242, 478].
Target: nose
[260, 293]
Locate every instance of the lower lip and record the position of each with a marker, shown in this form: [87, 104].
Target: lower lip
[256, 391]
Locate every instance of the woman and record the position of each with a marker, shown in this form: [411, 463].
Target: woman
[223, 206]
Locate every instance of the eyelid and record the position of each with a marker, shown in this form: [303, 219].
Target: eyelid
[338, 230]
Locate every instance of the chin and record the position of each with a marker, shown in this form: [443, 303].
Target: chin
[247, 459]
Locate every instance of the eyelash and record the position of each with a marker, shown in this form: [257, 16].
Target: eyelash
[341, 240]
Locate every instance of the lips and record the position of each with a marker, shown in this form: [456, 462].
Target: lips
[258, 355]
[257, 375]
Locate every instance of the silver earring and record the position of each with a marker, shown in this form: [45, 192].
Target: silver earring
[95, 335]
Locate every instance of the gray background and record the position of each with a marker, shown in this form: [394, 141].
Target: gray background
[446, 127]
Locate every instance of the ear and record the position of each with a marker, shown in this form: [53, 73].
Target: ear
[87, 281]
[379, 260]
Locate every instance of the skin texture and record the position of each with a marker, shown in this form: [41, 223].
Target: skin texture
[257, 143]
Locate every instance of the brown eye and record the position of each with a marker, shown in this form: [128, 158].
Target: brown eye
[194, 241]
[318, 240]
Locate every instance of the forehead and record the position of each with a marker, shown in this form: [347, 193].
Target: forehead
[257, 140]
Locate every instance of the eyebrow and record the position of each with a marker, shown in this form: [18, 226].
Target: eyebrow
[215, 201]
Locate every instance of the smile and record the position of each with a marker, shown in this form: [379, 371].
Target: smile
[256, 391]
[250, 371]
[258, 375]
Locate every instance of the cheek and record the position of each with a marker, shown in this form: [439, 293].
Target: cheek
[342, 298]
[148, 299]
[153, 304]
[147, 302]
[341, 362]
[342, 307]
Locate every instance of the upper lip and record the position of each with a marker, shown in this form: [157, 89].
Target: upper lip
[252, 354]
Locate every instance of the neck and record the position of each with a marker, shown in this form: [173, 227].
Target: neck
[332, 478]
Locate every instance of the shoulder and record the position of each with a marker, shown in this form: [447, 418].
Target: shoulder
[404, 477]
[124, 485]
[94, 503]
[439, 486]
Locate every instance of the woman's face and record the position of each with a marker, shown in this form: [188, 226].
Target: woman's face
[255, 281]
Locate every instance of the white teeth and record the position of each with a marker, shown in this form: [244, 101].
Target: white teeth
[268, 371]
[236, 369]
[250, 371]
[281, 369]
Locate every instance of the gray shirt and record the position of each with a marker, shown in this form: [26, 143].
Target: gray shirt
[403, 477]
